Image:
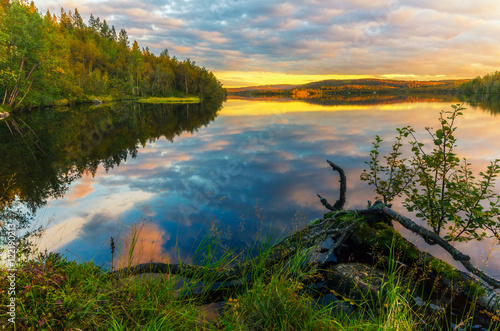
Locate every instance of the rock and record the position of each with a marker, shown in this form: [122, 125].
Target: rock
[97, 102]
[211, 312]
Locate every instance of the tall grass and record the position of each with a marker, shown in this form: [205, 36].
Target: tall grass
[56, 294]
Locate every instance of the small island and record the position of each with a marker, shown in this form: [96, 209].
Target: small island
[158, 100]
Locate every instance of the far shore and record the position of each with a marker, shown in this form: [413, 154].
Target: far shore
[171, 100]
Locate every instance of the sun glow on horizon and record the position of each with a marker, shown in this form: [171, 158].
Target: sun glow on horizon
[242, 107]
[255, 78]
[239, 79]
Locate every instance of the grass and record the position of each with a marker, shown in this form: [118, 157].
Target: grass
[56, 294]
[171, 100]
[4, 109]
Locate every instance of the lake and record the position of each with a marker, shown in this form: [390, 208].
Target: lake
[246, 170]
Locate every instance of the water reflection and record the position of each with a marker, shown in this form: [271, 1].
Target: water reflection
[47, 150]
[255, 169]
[358, 99]
[489, 102]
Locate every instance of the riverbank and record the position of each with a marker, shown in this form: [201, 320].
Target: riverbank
[57, 294]
[109, 98]
[157, 100]
[295, 291]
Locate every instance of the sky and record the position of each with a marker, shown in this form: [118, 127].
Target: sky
[257, 42]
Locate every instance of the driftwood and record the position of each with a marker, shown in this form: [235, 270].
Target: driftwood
[342, 227]
[429, 235]
[339, 204]
[302, 240]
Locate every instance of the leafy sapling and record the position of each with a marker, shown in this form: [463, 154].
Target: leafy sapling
[436, 184]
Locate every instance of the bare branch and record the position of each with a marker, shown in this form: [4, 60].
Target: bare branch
[339, 204]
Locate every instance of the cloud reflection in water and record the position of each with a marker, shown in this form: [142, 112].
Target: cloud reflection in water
[265, 154]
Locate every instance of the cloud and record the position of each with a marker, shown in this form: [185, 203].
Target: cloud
[423, 38]
[255, 153]
[141, 244]
[80, 189]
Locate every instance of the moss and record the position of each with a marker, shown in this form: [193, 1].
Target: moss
[442, 268]
[315, 221]
[475, 288]
[384, 236]
[330, 214]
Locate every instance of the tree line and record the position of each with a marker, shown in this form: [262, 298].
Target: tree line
[481, 86]
[46, 60]
[335, 87]
[59, 147]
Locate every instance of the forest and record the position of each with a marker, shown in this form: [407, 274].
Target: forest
[481, 86]
[58, 147]
[47, 60]
[333, 87]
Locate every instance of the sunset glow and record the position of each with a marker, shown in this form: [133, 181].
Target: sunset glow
[255, 78]
[249, 43]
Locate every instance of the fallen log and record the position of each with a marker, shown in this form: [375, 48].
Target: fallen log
[350, 231]
[429, 235]
[300, 241]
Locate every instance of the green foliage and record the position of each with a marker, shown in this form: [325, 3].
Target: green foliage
[391, 179]
[56, 294]
[486, 85]
[484, 91]
[68, 144]
[170, 100]
[43, 60]
[439, 186]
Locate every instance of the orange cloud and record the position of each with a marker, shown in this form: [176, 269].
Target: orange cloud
[82, 189]
[143, 243]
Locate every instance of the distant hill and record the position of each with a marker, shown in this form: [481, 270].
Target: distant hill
[261, 88]
[380, 83]
[325, 88]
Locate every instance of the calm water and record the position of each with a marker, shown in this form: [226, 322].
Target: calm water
[241, 171]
